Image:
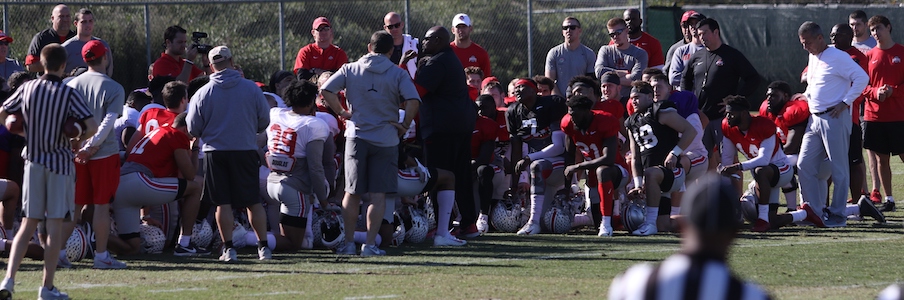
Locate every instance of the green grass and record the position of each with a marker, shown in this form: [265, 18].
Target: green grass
[855, 262]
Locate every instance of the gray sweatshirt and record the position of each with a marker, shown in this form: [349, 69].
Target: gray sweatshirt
[228, 112]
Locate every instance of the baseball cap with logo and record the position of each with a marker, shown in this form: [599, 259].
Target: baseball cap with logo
[5, 38]
[691, 15]
[92, 50]
[219, 54]
[321, 21]
[461, 19]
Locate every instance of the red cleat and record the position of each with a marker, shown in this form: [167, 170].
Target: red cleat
[875, 196]
[761, 226]
[812, 217]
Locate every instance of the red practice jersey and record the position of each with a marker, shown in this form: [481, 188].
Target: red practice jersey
[502, 134]
[155, 118]
[155, 151]
[473, 56]
[613, 107]
[749, 143]
[485, 130]
[590, 141]
[794, 112]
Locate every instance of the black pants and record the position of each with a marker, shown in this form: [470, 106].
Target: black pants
[452, 152]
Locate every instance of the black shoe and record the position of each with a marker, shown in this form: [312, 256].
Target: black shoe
[867, 208]
[888, 206]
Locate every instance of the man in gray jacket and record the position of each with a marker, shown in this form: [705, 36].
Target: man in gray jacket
[227, 114]
[374, 86]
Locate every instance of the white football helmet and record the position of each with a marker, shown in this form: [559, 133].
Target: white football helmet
[238, 235]
[429, 213]
[558, 218]
[77, 245]
[316, 218]
[749, 203]
[332, 230]
[506, 214]
[633, 214]
[524, 199]
[416, 225]
[202, 234]
[398, 236]
[152, 239]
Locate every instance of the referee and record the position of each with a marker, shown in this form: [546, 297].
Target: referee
[699, 270]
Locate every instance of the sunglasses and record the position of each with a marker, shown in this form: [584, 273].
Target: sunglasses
[616, 33]
[323, 28]
[572, 27]
[393, 26]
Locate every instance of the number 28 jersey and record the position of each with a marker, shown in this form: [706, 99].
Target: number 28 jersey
[654, 140]
[535, 126]
[287, 137]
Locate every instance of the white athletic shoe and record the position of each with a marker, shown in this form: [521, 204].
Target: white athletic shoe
[264, 253]
[646, 229]
[442, 241]
[529, 229]
[483, 224]
[605, 230]
[229, 255]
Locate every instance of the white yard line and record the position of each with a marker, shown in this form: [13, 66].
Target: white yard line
[371, 297]
[176, 290]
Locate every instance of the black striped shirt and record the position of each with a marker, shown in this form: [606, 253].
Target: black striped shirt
[683, 277]
[45, 104]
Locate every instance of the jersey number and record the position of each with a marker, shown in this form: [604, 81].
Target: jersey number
[139, 148]
[283, 141]
[591, 152]
[749, 153]
[645, 138]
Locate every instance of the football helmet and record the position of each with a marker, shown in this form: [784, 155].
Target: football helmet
[748, 206]
[332, 230]
[430, 213]
[558, 218]
[316, 218]
[506, 214]
[77, 245]
[416, 226]
[202, 234]
[633, 214]
[398, 236]
[152, 239]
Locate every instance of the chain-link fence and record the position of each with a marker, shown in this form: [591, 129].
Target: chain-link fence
[266, 35]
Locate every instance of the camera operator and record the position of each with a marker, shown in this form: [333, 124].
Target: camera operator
[177, 59]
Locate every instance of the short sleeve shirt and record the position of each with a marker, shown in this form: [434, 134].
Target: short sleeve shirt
[167, 65]
[155, 151]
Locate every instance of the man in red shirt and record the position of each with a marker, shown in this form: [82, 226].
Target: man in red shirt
[177, 60]
[642, 39]
[321, 55]
[468, 52]
[790, 113]
[841, 37]
[883, 115]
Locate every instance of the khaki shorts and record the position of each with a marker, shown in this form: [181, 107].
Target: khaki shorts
[47, 194]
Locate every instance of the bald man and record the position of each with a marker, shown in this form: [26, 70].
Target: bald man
[59, 32]
[403, 44]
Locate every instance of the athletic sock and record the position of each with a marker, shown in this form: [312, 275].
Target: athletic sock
[652, 214]
[3, 245]
[446, 200]
[184, 240]
[607, 221]
[228, 245]
[262, 244]
[101, 255]
[889, 199]
[798, 215]
[536, 208]
[676, 210]
[606, 201]
[791, 199]
[763, 212]
[852, 210]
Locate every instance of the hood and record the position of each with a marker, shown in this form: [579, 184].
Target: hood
[376, 63]
[226, 78]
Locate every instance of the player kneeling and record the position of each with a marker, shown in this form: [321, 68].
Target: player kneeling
[595, 134]
[295, 143]
[659, 136]
[150, 177]
[755, 138]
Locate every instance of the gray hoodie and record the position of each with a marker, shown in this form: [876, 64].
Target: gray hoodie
[374, 87]
[228, 112]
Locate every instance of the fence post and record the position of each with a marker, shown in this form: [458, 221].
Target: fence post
[147, 32]
[282, 37]
[643, 14]
[407, 13]
[530, 44]
[5, 17]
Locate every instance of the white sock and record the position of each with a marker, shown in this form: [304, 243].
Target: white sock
[791, 199]
[652, 214]
[100, 255]
[184, 240]
[536, 208]
[889, 199]
[607, 221]
[361, 238]
[3, 244]
[676, 210]
[763, 212]
[445, 199]
[852, 210]
[798, 215]
[271, 241]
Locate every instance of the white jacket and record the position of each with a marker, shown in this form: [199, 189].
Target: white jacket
[410, 43]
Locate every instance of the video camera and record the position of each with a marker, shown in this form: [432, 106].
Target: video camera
[196, 42]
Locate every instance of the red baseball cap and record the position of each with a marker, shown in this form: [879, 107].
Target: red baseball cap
[321, 21]
[92, 50]
[487, 81]
[691, 14]
[5, 38]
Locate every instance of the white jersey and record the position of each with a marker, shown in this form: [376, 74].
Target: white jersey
[696, 147]
[287, 136]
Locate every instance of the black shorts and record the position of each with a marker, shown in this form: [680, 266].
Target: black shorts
[883, 137]
[855, 152]
[231, 178]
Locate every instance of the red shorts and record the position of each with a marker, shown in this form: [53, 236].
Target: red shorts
[96, 181]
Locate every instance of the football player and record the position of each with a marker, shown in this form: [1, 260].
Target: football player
[534, 121]
[595, 134]
[159, 169]
[755, 138]
[490, 177]
[659, 137]
[295, 143]
[790, 113]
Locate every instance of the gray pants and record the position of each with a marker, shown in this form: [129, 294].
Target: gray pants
[825, 137]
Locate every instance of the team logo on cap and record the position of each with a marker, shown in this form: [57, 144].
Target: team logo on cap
[896, 60]
[461, 18]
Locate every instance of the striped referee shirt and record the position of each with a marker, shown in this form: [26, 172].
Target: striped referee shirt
[683, 277]
[46, 103]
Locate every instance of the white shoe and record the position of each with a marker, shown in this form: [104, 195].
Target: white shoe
[606, 230]
[229, 255]
[483, 224]
[529, 229]
[441, 241]
[646, 229]
[264, 253]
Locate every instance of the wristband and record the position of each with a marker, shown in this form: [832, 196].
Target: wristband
[189, 62]
[638, 181]
[677, 151]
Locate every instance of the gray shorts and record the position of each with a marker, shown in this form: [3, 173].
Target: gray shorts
[47, 194]
[370, 169]
[137, 190]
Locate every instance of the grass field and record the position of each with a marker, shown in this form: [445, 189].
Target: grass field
[855, 262]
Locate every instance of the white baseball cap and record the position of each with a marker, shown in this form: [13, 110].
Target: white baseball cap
[219, 54]
[461, 19]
